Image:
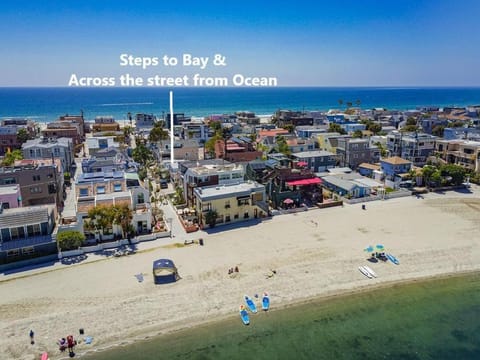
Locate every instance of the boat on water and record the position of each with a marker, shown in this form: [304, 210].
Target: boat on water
[244, 315]
[370, 271]
[265, 302]
[393, 259]
[250, 304]
[364, 272]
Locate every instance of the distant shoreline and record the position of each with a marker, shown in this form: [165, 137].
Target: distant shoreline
[46, 104]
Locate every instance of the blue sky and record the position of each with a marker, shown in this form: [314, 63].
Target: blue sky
[304, 43]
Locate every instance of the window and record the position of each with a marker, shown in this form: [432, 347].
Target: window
[117, 187]
[28, 250]
[14, 252]
[100, 189]
[227, 204]
[141, 198]
[35, 189]
[227, 218]
[83, 192]
[237, 175]
[8, 181]
[242, 202]
[33, 230]
[246, 216]
[5, 205]
[224, 177]
[206, 207]
[36, 177]
[17, 232]
[102, 143]
[32, 153]
[56, 151]
[235, 216]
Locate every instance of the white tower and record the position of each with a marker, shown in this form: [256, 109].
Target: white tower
[172, 160]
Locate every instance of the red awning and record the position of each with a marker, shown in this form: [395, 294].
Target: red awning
[304, 182]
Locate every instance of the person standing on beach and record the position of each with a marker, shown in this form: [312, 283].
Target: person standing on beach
[32, 337]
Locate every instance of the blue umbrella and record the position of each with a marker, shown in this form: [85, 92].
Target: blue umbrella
[380, 247]
[369, 248]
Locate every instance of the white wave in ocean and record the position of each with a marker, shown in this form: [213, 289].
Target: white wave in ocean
[127, 104]
[5, 117]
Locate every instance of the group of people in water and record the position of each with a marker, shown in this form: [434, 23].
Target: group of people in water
[67, 343]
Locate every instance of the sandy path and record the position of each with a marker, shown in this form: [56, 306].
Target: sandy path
[315, 253]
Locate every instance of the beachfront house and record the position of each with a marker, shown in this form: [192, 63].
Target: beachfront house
[297, 185]
[26, 233]
[465, 153]
[209, 173]
[230, 203]
[113, 188]
[347, 185]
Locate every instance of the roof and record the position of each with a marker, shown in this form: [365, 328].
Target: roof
[369, 166]
[313, 153]
[310, 181]
[47, 143]
[163, 263]
[257, 165]
[28, 215]
[367, 182]
[218, 192]
[395, 160]
[341, 183]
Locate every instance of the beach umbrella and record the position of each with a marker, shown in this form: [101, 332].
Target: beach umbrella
[380, 247]
[369, 248]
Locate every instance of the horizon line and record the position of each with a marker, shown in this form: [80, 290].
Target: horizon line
[243, 87]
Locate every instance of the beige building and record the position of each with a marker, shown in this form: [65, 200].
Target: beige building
[232, 203]
[465, 153]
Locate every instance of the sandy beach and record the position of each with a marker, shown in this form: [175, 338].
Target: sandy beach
[315, 253]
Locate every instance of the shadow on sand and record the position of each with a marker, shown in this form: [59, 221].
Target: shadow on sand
[239, 225]
[30, 267]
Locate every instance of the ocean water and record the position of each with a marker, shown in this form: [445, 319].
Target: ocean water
[46, 104]
[434, 319]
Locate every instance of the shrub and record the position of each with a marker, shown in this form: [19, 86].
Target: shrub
[70, 240]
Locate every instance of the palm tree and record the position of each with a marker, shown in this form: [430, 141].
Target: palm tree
[123, 217]
[211, 218]
[226, 134]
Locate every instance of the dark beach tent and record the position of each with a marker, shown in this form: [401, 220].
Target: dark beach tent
[164, 271]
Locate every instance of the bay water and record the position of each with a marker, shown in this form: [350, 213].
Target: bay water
[432, 319]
